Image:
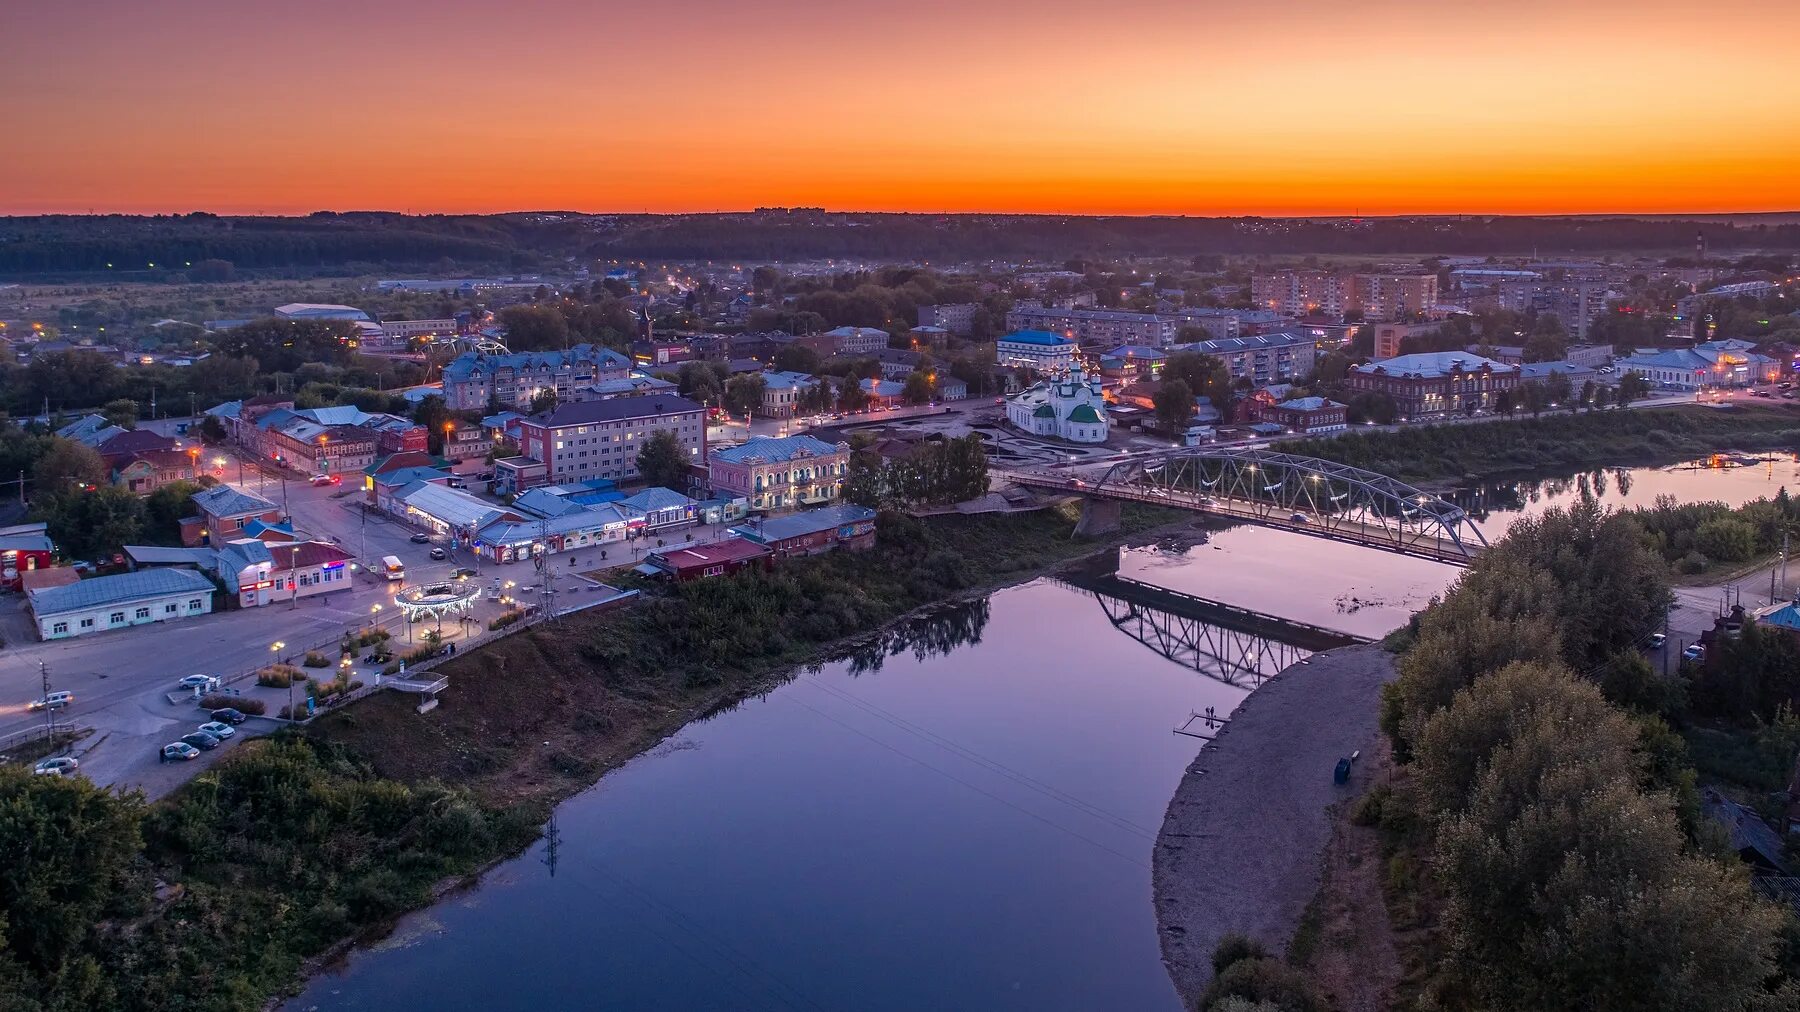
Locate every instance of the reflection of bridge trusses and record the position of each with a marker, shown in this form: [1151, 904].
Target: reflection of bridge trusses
[1234, 645]
[1232, 656]
[1336, 499]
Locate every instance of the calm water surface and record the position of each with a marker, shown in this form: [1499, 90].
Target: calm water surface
[960, 819]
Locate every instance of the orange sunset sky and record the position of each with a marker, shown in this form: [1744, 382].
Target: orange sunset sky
[1134, 106]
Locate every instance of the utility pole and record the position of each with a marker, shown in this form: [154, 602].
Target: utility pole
[49, 711]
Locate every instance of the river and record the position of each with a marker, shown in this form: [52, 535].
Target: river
[961, 817]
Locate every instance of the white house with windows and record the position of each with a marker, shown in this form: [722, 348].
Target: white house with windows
[117, 602]
[1070, 408]
[1039, 349]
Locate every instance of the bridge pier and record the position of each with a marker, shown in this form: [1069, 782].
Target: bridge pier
[1098, 517]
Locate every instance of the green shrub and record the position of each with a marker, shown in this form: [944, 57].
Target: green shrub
[1235, 946]
[506, 618]
[314, 659]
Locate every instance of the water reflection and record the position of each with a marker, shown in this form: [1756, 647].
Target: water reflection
[1734, 479]
[933, 634]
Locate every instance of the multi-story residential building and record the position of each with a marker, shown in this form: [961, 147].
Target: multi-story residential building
[1388, 336]
[300, 443]
[467, 442]
[780, 473]
[1691, 304]
[1036, 349]
[1394, 296]
[601, 439]
[898, 363]
[472, 379]
[1262, 358]
[1105, 328]
[1303, 293]
[1233, 322]
[1436, 383]
[958, 318]
[929, 337]
[857, 340]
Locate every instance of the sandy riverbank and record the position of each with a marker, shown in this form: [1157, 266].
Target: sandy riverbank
[1240, 844]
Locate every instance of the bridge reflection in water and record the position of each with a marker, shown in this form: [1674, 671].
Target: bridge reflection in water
[1233, 645]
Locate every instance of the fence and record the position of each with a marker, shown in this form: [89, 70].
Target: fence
[27, 735]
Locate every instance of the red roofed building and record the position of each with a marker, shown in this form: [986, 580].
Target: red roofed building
[717, 559]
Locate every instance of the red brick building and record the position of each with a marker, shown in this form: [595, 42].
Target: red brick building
[1436, 383]
[1308, 415]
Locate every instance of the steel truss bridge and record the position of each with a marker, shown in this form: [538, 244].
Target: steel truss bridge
[1305, 495]
[1224, 642]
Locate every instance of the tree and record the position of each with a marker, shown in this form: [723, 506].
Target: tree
[544, 400]
[797, 358]
[918, 388]
[1204, 375]
[122, 412]
[663, 461]
[1174, 403]
[702, 381]
[91, 522]
[212, 430]
[74, 845]
[534, 328]
[1533, 397]
[1558, 389]
[285, 345]
[1632, 386]
[67, 465]
[744, 394]
[851, 396]
[164, 508]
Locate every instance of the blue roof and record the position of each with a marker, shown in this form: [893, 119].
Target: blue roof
[104, 590]
[656, 498]
[257, 528]
[230, 501]
[772, 449]
[796, 525]
[1787, 617]
[1042, 337]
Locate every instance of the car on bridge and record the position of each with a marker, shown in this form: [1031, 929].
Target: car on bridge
[1300, 518]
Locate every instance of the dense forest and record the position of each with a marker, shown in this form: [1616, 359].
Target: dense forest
[166, 245]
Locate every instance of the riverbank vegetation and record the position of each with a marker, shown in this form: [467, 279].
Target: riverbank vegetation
[542, 713]
[1544, 843]
[215, 898]
[1635, 436]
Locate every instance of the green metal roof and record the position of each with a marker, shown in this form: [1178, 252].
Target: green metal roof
[1084, 413]
[1044, 411]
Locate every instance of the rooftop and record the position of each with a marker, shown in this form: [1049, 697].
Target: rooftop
[1434, 363]
[719, 552]
[795, 525]
[1038, 337]
[771, 449]
[231, 501]
[613, 410]
[124, 587]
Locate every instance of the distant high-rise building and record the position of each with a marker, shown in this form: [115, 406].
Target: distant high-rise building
[1303, 293]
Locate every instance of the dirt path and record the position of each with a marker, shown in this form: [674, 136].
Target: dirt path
[1240, 845]
[1353, 959]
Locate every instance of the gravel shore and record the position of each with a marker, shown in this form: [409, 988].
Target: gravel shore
[1240, 845]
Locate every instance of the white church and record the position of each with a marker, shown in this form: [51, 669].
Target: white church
[1068, 408]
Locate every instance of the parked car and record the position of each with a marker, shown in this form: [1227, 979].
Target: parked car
[201, 740]
[179, 750]
[218, 730]
[61, 766]
[228, 715]
[205, 683]
[457, 483]
[421, 538]
[1655, 641]
[1694, 651]
[439, 554]
[54, 701]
